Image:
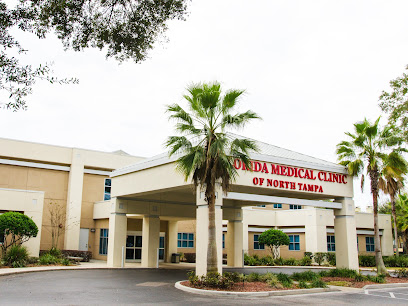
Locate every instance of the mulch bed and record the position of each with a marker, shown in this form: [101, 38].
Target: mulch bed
[239, 287]
[354, 284]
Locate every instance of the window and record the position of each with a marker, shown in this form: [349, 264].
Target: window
[370, 244]
[294, 243]
[103, 241]
[108, 187]
[263, 205]
[331, 246]
[185, 240]
[257, 245]
[292, 206]
[277, 205]
[223, 241]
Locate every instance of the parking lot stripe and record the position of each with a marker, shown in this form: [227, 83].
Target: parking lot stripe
[392, 295]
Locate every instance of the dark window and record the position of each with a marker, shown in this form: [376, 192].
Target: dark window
[331, 246]
[103, 241]
[294, 243]
[257, 245]
[223, 241]
[277, 205]
[292, 206]
[108, 187]
[185, 240]
[370, 244]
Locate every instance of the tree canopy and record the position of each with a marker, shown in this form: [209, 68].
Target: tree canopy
[274, 238]
[126, 29]
[395, 102]
[17, 229]
[206, 149]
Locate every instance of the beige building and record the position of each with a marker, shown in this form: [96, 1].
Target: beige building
[115, 204]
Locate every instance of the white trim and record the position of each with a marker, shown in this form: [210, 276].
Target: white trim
[285, 230]
[22, 190]
[98, 172]
[359, 232]
[280, 200]
[33, 165]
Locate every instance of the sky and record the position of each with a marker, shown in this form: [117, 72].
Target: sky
[310, 69]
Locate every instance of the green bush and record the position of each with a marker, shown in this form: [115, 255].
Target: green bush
[366, 261]
[343, 272]
[252, 261]
[403, 273]
[48, 259]
[55, 252]
[32, 260]
[290, 262]
[65, 262]
[319, 257]
[359, 278]
[303, 285]
[305, 261]
[267, 261]
[284, 280]
[308, 254]
[254, 277]
[233, 276]
[376, 279]
[16, 256]
[279, 261]
[305, 276]
[396, 261]
[269, 278]
[331, 258]
[318, 283]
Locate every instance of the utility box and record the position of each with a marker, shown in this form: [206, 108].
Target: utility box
[175, 258]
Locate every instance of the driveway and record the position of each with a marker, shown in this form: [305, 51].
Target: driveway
[153, 286]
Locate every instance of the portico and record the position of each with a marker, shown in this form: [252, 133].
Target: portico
[153, 191]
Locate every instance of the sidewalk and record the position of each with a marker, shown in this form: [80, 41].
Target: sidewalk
[92, 264]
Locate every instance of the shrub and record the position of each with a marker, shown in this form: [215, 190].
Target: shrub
[305, 261]
[331, 258]
[366, 261]
[319, 257]
[318, 283]
[309, 254]
[233, 276]
[16, 256]
[359, 278]
[285, 280]
[32, 260]
[305, 276]
[279, 261]
[55, 252]
[254, 277]
[267, 261]
[190, 257]
[290, 262]
[402, 273]
[252, 261]
[65, 262]
[303, 285]
[343, 272]
[212, 280]
[396, 261]
[269, 278]
[48, 259]
[274, 238]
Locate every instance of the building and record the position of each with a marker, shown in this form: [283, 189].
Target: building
[113, 200]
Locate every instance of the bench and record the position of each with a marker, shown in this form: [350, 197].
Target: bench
[75, 259]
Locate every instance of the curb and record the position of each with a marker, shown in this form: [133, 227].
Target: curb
[179, 286]
[385, 286]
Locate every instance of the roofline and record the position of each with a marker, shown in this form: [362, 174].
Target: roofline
[146, 164]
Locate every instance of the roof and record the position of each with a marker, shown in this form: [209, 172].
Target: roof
[266, 153]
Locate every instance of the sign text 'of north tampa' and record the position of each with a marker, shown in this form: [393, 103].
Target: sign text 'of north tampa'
[290, 172]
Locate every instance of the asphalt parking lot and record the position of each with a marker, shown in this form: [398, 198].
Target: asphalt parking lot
[152, 286]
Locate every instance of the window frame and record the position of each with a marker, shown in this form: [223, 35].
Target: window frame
[293, 242]
[223, 240]
[370, 245]
[295, 206]
[277, 206]
[331, 243]
[181, 239]
[107, 194]
[257, 245]
[102, 237]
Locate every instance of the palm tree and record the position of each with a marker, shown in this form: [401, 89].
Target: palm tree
[206, 149]
[367, 149]
[391, 182]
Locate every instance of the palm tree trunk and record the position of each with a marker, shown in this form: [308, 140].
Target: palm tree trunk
[212, 259]
[377, 243]
[394, 216]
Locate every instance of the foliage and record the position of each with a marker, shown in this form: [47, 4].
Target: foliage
[32, 260]
[290, 262]
[305, 261]
[395, 102]
[342, 272]
[254, 277]
[368, 148]
[380, 278]
[48, 259]
[125, 29]
[16, 256]
[211, 280]
[331, 258]
[318, 283]
[267, 261]
[17, 228]
[190, 257]
[319, 257]
[366, 261]
[389, 261]
[402, 273]
[303, 285]
[86, 255]
[65, 262]
[305, 276]
[274, 238]
[55, 252]
[206, 150]
[309, 254]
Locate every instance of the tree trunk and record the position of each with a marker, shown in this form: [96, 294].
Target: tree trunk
[377, 243]
[394, 216]
[212, 259]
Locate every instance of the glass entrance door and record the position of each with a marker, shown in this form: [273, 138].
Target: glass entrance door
[161, 248]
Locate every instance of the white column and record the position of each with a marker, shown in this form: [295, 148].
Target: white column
[315, 231]
[346, 235]
[172, 239]
[202, 232]
[150, 240]
[74, 202]
[116, 238]
[234, 243]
